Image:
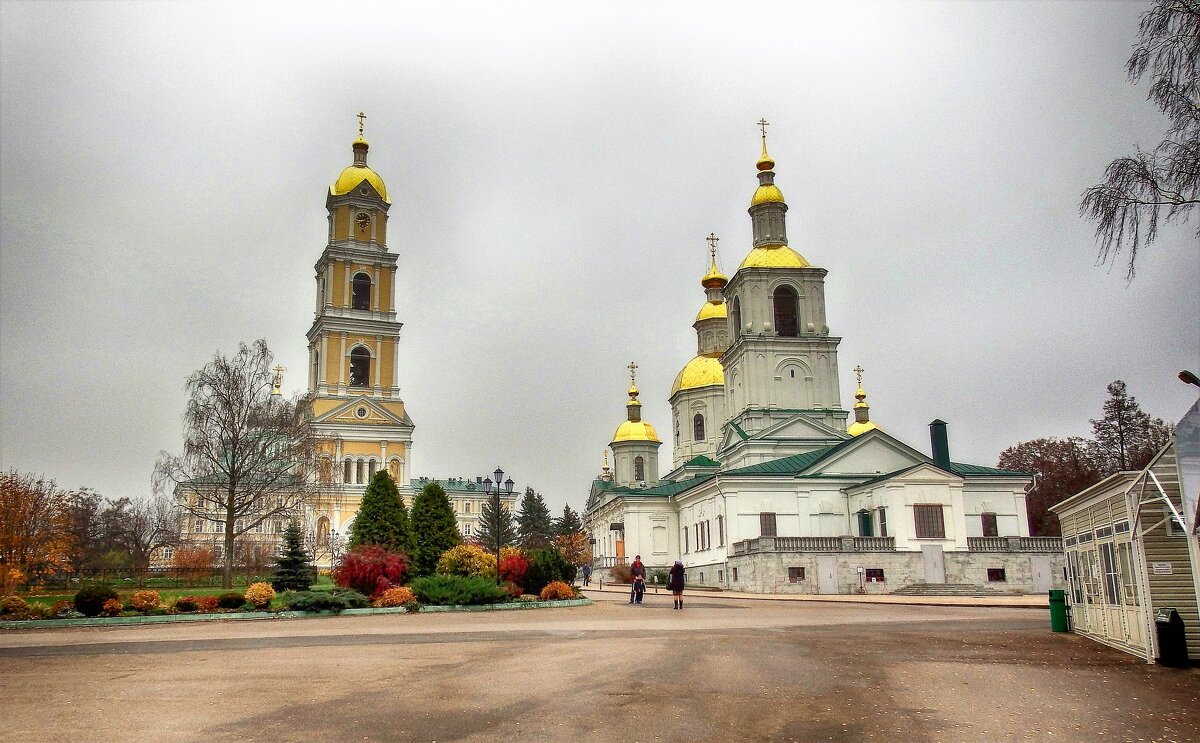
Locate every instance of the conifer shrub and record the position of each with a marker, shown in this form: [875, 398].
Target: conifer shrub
[293, 566]
[334, 600]
[231, 600]
[111, 607]
[468, 560]
[144, 600]
[557, 590]
[260, 595]
[371, 570]
[513, 567]
[399, 596]
[89, 600]
[547, 566]
[458, 590]
[186, 603]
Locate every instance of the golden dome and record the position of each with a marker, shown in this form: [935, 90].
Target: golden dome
[711, 310]
[858, 429]
[701, 371]
[635, 431]
[774, 256]
[765, 162]
[354, 175]
[768, 193]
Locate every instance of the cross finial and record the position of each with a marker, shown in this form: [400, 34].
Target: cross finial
[362, 116]
[277, 380]
[712, 244]
[858, 372]
[763, 124]
[632, 372]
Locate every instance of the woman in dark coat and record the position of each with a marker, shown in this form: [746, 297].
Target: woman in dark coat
[675, 583]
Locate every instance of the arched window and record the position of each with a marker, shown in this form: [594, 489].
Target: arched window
[360, 367]
[360, 292]
[639, 469]
[323, 530]
[358, 471]
[347, 469]
[394, 470]
[677, 430]
[787, 321]
[371, 469]
[316, 373]
[735, 317]
[698, 428]
[325, 471]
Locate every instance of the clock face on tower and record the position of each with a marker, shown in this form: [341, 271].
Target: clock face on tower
[363, 220]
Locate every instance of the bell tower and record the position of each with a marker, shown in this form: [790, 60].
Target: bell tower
[354, 342]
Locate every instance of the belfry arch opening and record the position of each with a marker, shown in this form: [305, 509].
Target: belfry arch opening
[735, 317]
[698, 427]
[360, 367]
[787, 312]
[360, 292]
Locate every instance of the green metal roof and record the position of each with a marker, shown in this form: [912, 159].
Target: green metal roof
[667, 488]
[701, 461]
[792, 465]
[976, 470]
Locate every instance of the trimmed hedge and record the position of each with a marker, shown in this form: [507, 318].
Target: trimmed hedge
[458, 590]
[335, 600]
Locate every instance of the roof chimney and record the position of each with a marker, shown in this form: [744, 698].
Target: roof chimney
[939, 443]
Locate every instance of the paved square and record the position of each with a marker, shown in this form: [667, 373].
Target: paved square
[721, 670]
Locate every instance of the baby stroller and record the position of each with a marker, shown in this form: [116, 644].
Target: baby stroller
[639, 589]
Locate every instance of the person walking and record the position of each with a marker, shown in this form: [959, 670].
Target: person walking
[675, 583]
[636, 570]
[587, 574]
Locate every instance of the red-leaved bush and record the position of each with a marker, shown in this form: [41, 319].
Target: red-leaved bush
[513, 567]
[371, 570]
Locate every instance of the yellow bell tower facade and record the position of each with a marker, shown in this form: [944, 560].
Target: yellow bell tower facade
[353, 347]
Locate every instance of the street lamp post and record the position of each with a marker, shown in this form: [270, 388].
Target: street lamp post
[488, 487]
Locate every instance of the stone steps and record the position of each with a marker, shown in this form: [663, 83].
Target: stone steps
[946, 589]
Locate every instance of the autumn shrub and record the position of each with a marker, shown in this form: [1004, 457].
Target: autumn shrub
[394, 597]
[231, 600]
[513, 568]
[60, 608]
[620, 574]
[458, 590]
[557, 590]
[145, 600]
[13, 604]
[468, 560]
[371, 570]
[511, 551]
[111, 607]
[260, 594]
[204, 604]
[186, 603]
[89, 600]
[514, 589]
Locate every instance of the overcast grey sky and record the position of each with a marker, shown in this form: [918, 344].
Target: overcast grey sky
[554, 169]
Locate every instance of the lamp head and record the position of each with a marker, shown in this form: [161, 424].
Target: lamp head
[487, 485]
[508, 486]
[1188, 377]
[499, 473]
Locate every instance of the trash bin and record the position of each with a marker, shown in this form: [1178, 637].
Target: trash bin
[1058, 610]
[1172, 645]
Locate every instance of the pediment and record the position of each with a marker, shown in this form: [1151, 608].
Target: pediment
[800, 427]
[364, 411]
[873, 453]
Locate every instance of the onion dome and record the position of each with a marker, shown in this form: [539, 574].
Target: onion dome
[712, 310]
[774, 256]
[714, 279]
[354, 175]
[702, 371]
[765, 162]
[862, 418]
[635, 429]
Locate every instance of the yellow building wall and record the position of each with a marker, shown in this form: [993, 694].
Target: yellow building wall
[380, 226]
[337, 279]
[386, 362]
[361, 448]
[341, 222]
[385, 289]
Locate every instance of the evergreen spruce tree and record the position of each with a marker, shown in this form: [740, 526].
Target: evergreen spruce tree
[293, 565]
[1126, 437]
[569, 523]
[434, 529]
[535, 528]
[382, 519]
[488, 525]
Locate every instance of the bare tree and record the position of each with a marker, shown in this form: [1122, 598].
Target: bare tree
[150, 525]
[248, 452]
[1164, 183]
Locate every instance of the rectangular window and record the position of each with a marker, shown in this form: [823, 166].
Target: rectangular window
[168, 553]
[734, 573]
[701, 576]
[1128, 584]
[720, 576]
[198, 526]
[766, 524]
[882, 521]
[685, 539]
[990, 529]
[699, 543]
[708, 533]
[466, 530]
[219, 527]
[258, 528]
[929, 522]
[721, 531]
[1112, 581]
[874, 575]
[795, 575]
[996, 575]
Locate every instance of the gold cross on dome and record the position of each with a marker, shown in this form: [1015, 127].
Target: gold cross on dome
[277, 380]
[858, 372]
[763, 124]
[361, 116]
[632, 372]
[712, 243]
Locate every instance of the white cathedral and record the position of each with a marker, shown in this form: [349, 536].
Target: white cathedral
[771, 491]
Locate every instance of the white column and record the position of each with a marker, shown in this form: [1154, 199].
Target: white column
[375, 290]
[342, 362]
[378, 363]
